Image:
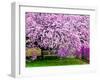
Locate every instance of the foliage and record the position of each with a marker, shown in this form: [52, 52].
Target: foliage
[55, 30]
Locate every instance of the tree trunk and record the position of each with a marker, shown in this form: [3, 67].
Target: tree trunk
[42, 55]
[82, 52]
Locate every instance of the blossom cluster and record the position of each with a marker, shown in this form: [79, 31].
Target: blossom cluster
[59, 31]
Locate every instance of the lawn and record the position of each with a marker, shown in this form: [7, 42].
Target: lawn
[54, 62]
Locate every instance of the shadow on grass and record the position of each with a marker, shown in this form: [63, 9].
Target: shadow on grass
[54, 61]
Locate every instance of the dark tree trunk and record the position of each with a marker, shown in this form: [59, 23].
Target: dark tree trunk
[82, 52]
[42, 55]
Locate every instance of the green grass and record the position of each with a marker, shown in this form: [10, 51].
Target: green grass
[55, 62]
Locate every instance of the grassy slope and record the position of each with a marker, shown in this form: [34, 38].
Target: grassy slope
[55, 62]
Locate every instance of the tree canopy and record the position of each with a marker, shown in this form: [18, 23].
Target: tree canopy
[56, 30]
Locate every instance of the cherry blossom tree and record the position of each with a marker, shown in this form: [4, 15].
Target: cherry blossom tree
[66, 33]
